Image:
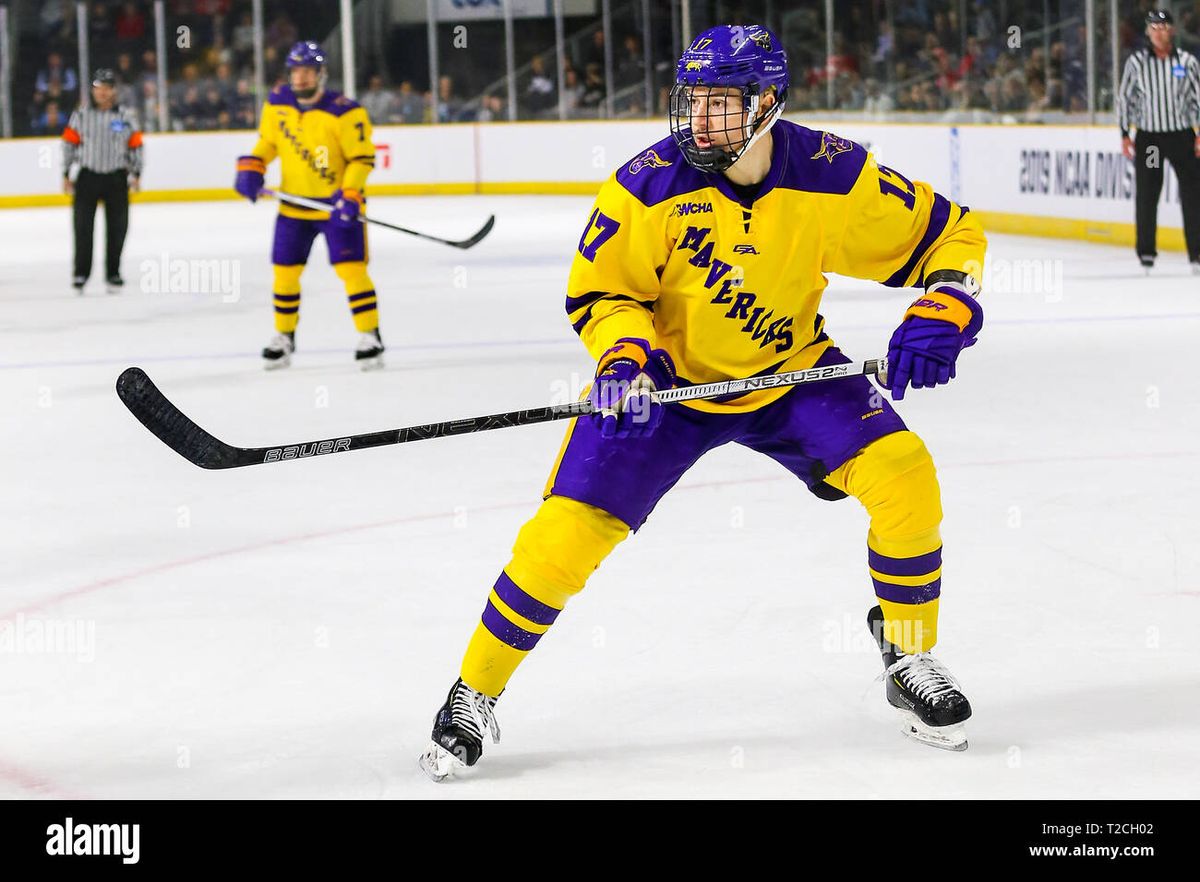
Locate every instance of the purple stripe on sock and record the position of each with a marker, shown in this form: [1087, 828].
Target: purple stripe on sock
[367, 308]
[908, 593]
[287, 310]
[904, 566]
[506, 632]
[286, 298]
[361, 295]
[523, 604]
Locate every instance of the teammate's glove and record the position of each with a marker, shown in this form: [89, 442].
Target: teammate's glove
[249, 180]
[925, 347]
[626, 376]
[346, 206]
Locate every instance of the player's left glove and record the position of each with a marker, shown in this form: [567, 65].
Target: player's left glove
[627, 375]
[936, 328]
[346, 207]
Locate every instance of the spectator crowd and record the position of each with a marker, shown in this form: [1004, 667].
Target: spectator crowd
[923, 57]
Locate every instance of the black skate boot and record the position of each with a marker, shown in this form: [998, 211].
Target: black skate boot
[457, 740]
[114, 284]
[278, 353]
[368, 355]
[920, 687]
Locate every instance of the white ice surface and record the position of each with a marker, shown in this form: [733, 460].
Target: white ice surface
[289, 630]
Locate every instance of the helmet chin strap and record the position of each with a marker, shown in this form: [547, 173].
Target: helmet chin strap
[753, 130]
[756, 128]
[307, 94]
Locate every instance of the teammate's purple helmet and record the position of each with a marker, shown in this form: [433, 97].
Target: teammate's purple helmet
[745, 57]
[306, 53]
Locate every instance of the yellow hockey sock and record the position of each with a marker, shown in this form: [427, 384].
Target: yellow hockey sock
[360, 294]
[287, 297]
[896, 482]
[554, 554]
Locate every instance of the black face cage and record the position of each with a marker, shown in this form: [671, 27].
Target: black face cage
[305, 94]
[740, 128]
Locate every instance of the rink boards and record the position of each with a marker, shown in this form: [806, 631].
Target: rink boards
[1066, 181]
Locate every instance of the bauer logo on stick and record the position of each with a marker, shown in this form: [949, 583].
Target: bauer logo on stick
[300, 451]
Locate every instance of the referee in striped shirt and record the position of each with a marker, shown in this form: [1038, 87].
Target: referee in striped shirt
[102, 161]
[1160, 98]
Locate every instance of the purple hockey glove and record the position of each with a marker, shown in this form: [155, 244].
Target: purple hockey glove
[924, 349]
[346, 206]
[249, 180]
[626, 376]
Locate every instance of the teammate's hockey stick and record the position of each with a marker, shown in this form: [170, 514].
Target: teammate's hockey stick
[174, 429]
[305, 202]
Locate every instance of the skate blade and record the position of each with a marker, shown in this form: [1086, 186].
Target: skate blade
[277, 363]
[440, 764]
[370, 364]
[952, 737]
[112, 289]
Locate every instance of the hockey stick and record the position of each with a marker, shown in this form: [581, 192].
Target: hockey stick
[138, 393]
[305, 202]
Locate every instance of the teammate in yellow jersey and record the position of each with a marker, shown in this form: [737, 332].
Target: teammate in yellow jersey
[323, 141]
[704, 259]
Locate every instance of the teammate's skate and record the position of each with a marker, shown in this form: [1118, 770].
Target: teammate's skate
[457, 740]
[278, 353]
[369, 354]
[920, 687]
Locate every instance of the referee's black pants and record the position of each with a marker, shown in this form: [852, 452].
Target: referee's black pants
[112, 189]
[1179, 149]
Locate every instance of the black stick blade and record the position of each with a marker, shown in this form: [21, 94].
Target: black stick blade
[478, 237]
[169, 424]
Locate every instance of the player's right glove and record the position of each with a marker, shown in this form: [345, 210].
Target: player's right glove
[249, 180]
[936, 327]
[627, 375]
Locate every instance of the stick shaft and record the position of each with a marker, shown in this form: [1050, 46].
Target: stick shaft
[315, 205]
[144, 400]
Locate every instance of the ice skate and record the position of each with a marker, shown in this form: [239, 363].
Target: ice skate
[77, 284]
[278, 353]
[923, 690]
[1147, 261]
[114, 284]
[457, 739]
[369, 353]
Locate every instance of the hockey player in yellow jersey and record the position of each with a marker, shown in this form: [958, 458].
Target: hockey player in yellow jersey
[704, 259]
[323, 141]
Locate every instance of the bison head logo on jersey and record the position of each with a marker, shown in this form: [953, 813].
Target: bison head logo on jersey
[649, 159]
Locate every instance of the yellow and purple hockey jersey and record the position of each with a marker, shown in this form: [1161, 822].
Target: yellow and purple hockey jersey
[322, 148]
[730, 287]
